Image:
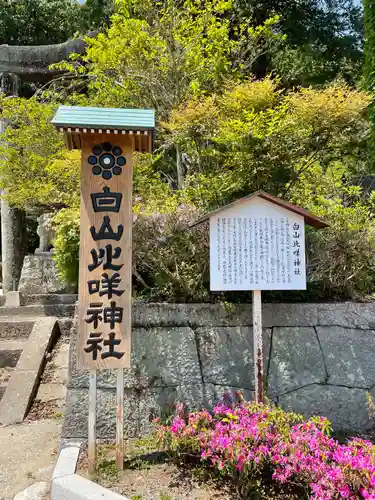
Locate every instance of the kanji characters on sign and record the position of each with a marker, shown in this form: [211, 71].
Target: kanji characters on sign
[105, 258]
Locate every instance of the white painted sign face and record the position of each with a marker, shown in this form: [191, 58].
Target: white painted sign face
[257, 245]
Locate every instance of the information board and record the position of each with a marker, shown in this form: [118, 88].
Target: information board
[257, 245]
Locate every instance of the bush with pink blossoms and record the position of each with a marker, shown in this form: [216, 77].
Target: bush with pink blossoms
[263, 448]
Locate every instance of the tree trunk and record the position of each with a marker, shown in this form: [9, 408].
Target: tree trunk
[180, 168]
[13, 230]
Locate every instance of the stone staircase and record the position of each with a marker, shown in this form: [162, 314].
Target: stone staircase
[34, 354]
[13, 337]
[61, 306]
[17, 323]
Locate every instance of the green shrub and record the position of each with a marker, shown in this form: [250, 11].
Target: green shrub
[36, 170]
[170, 259]
[341, 258]
[307, 146]
[67, 226]
[255, 137]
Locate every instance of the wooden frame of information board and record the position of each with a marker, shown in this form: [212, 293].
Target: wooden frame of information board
[258, 243]
[107, 139]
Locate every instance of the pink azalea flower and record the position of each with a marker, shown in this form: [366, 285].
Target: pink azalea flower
[244, 439]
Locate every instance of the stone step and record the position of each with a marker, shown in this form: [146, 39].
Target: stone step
[49, 299]
[25, 377]
[20, 327]
[15, 328]
[32, 311]
[10, 351]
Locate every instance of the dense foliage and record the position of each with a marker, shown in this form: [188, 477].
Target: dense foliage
[41, 173]
[269, 453]
[324, 38]
[157, 55]
[96, 13]
[369, 13]
[67, 244]
[43, 22]
[222, 133]
[369, 68]
[253, 135]
[33, 22]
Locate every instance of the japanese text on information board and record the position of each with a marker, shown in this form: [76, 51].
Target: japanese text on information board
[254, 250]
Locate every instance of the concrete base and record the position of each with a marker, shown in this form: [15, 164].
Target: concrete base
[76, 487]
[13, 299]
[68, 485]
[40, 276]
[48, 299]
[37, 491]
[43, 253]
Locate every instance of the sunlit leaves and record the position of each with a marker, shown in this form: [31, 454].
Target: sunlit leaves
[35, 168]
[157, 54]
[263, 137]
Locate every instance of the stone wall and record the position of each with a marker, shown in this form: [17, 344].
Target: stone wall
[319, 359]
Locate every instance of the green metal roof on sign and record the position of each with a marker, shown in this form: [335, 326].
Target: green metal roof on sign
[105, 118]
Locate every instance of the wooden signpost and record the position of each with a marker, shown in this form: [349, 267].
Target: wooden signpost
[258, 243]
[107, 139]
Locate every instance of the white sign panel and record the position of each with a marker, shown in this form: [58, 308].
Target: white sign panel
[257, 245]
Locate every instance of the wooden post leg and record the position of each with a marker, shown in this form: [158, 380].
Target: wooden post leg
[92, 423]
[120, 420]
[258, 346]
